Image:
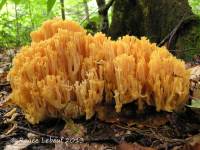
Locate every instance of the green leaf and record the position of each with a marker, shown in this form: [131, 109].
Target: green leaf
[50, 4]
[16, 1]
[2, 4]
[195, 104]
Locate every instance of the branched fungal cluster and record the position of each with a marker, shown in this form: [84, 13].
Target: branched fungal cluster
[65, 70]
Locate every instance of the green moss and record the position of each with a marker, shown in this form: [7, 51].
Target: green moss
[145, 8]
[188, 41]
[155, 20]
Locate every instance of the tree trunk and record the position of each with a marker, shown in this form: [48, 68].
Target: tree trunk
[17, 27]
[86, 10]
[156, 19]
[103, 13]
[62, 9]
[104, 26]
[30, 14]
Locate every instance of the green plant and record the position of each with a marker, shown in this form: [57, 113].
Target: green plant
[19, 17]
[195, 4]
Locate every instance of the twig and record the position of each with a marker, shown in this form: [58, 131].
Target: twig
[11, 112]
[171, 35]
[158, 136]
[115, 140]
[174, 31]
[107, 6]
[4, 84]
[90, 15]
[11, 130]
[3, 136]
[166, 139]
[10, 120]
[131, 129]
[37, 133]
[88, 140]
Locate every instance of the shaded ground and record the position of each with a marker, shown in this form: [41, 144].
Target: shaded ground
[107, 130]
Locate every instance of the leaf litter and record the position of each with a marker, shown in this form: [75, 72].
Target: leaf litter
[106, 130]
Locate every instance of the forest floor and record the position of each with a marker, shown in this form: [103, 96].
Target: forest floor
[108, 130]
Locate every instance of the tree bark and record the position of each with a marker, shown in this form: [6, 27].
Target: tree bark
[62, 9]
[30, 14]
[17, 27]
[103, 13]
[86, 10]
[104, 16]
[156, 19]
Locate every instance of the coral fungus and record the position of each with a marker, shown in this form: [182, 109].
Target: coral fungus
[67, 71]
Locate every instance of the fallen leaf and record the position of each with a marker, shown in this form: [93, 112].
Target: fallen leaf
[156, 121]
[13, 128]
[193, 143]
[195, 72]
[72, 129]
[1, 71]
[17, 145]
[195, 104]
[107, 114]
[10, 116]
[32, 136]
[195, 81]
[134, 146]
[196, 59]
[3, 76]
[194, 140]
[10, 113]
[64, 146]
[196, 146]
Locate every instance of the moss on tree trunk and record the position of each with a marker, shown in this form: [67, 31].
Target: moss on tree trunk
[188, 40]
[156, 19]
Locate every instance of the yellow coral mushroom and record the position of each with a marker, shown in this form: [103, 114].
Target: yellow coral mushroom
[66, 71]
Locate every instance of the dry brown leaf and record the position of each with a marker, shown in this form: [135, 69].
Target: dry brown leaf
[195, 81]
[107, 114]
[64, 146]
[196, 59]
[18, 144]
[195, 140]
[152, 121]
[195, 88]
[11, 115]
[195, 147]
[3, 76]
[156, 121]
[134, 146]
[193, 143]
[72, 129]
